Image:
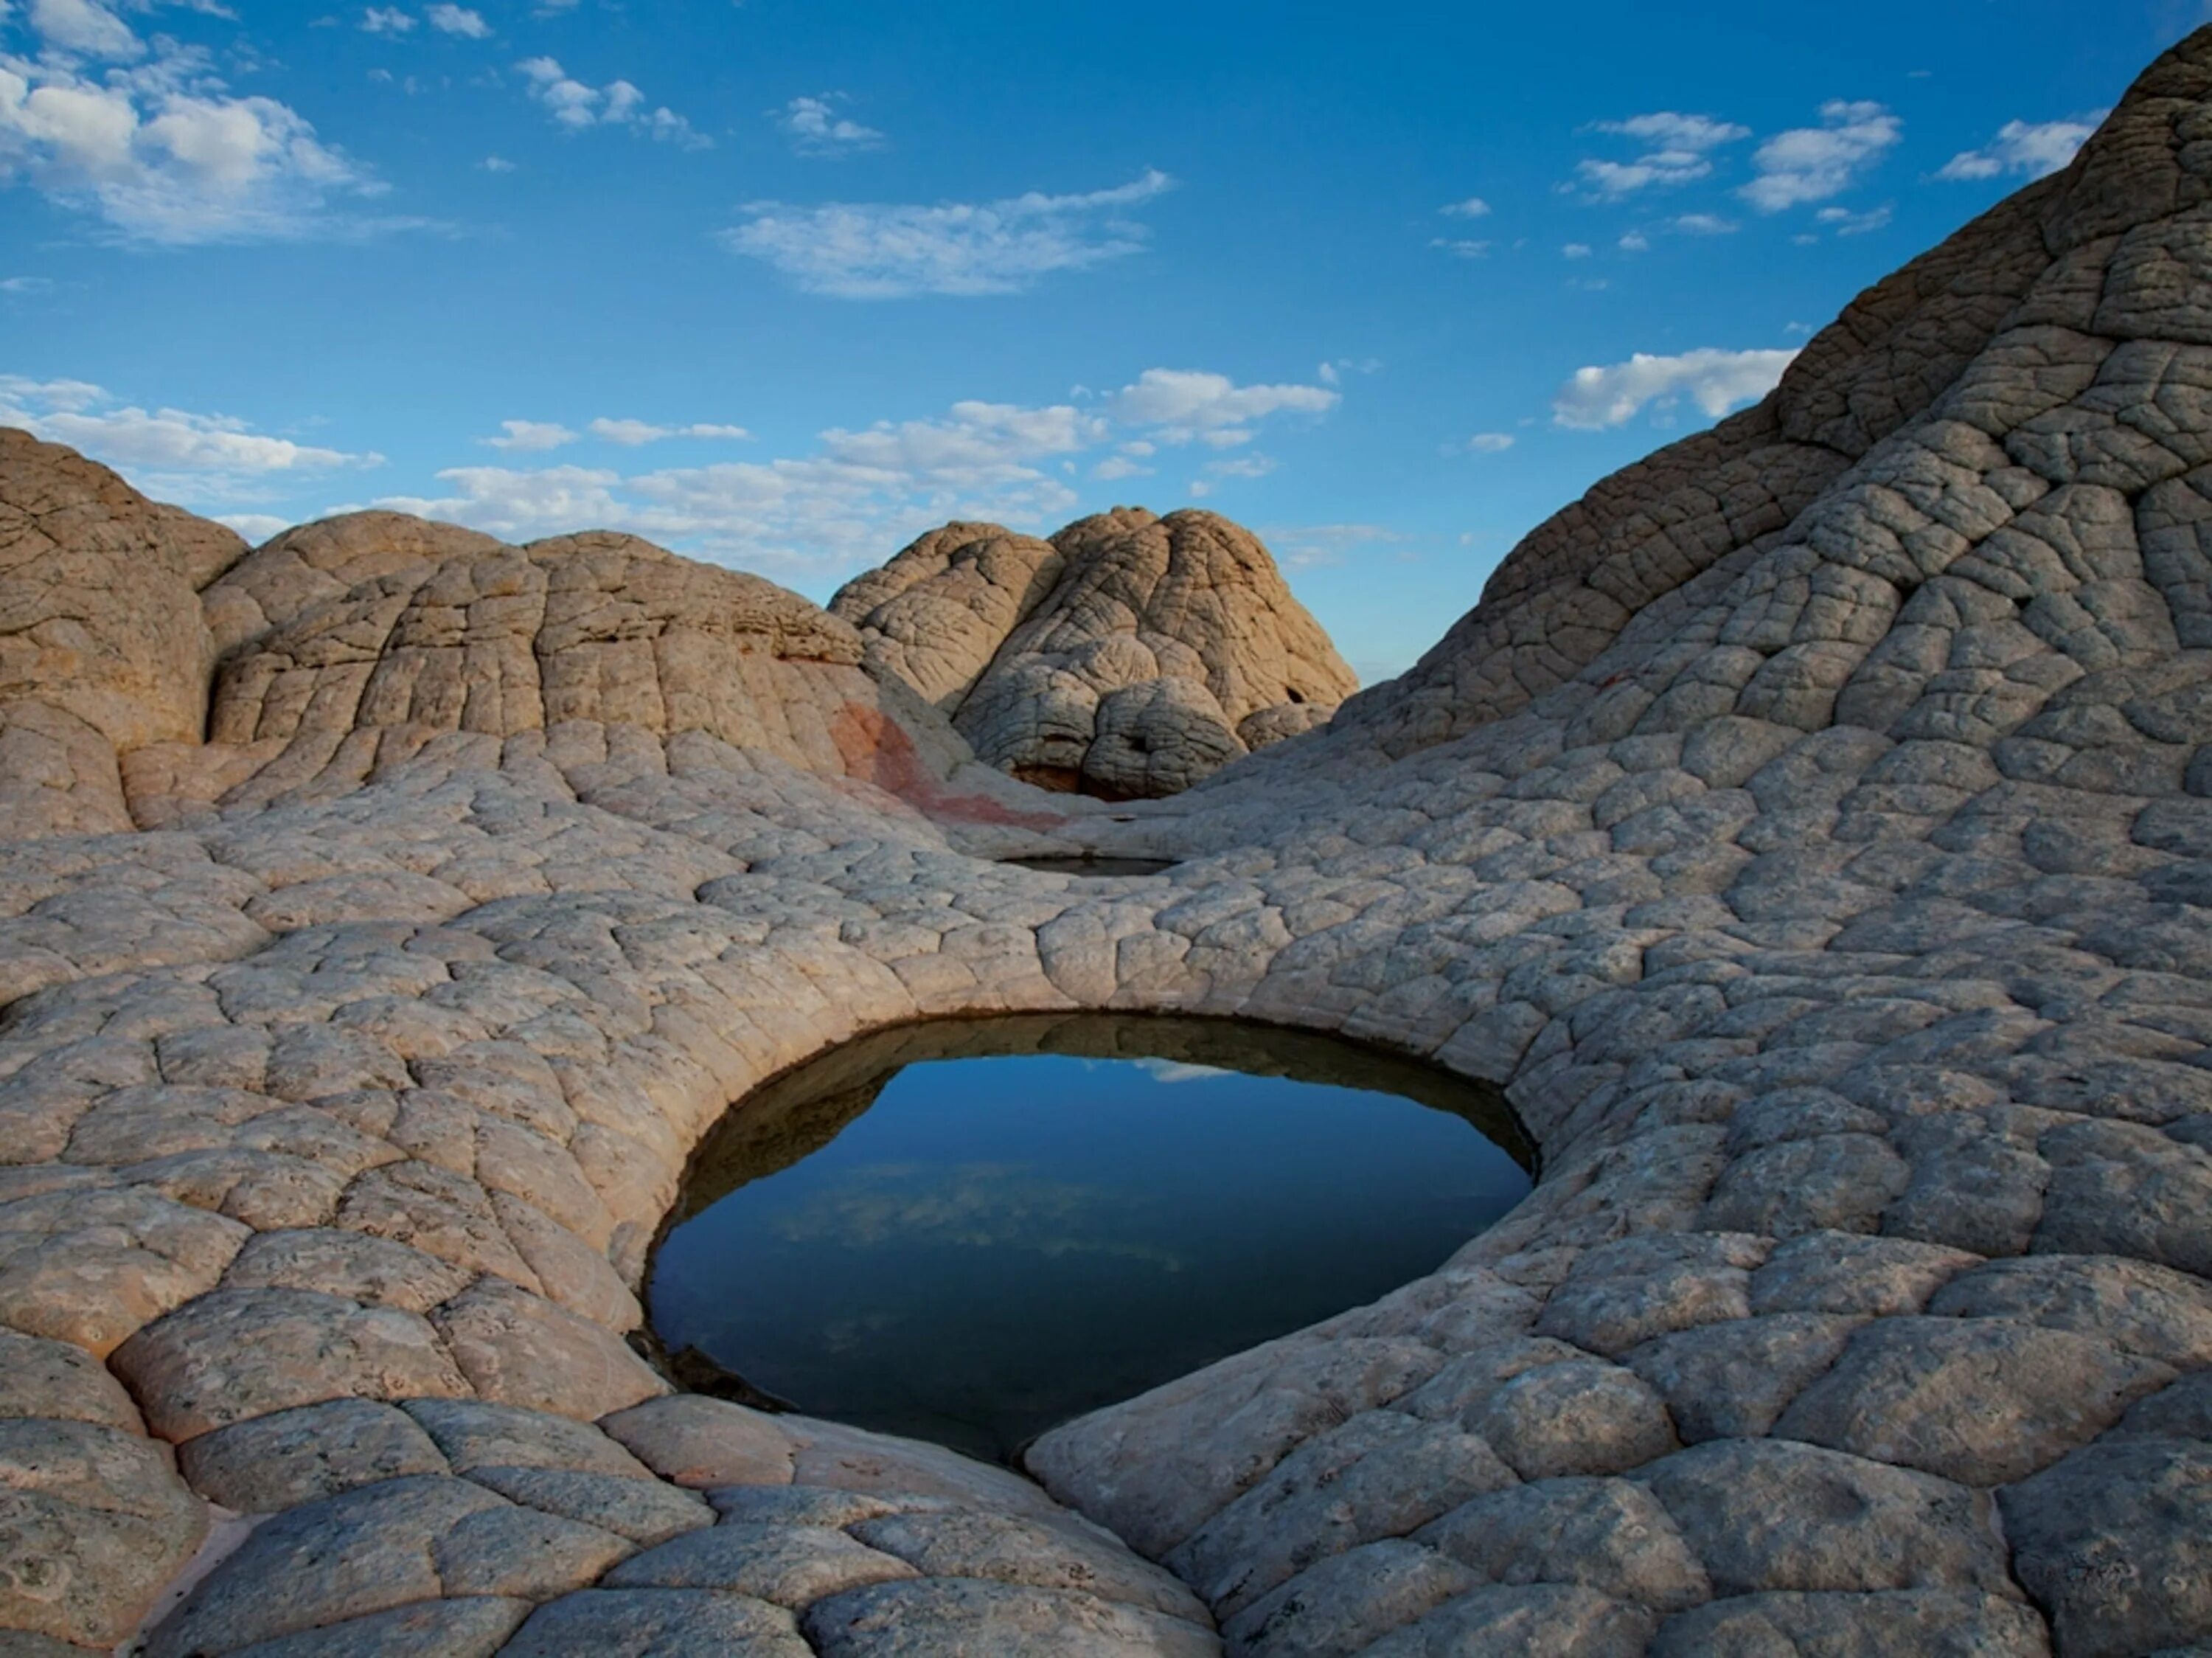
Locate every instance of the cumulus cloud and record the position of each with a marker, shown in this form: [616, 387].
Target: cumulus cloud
[815, 128]
[387, 20]
[579, 107]
[1812, 163]
[1473, 207]
[1489, 443]
[1716, 380]
[156, 146]
[893, 251]
[1701, 224]
[531, 436]
[1182, 404]
[633, 433]
[459, 19]
[176, 453]
[2030, 149]
[1678, 149]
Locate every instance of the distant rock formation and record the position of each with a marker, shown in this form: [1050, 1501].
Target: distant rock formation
[1127, 657]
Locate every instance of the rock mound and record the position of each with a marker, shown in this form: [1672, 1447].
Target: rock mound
[102, 645]
[1129, 656]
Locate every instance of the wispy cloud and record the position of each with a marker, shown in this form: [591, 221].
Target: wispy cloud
[387, 20]
[1678, 149]
[894, 251]
[1473, 207]
[1812, 163]
[632, 433]
[1183, 404]
[1716, 380]
[580, 107]
[1487, 443]
[2031, 149]
[155, 144]
[1844, 223]
[815, 128]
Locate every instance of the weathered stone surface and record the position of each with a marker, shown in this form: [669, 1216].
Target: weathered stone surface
[344, 1556]
[1002, 1549]
[53, 1378]
[1983, 1401]
[643, 1511]
[520, 1350]
[92, 1522]
[645, 1623]
[792, 1566]
[2115, 1543]
[922, 1617]
[1609, 1535]
[466, 1628]
[242, 1353]
[1939, 1623]
[1732, 1380]
[1542, 1620]
[1579, 1418]
[272, 1462]
[1769, 1514]
[700, 1441]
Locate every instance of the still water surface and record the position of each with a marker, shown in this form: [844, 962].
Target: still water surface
[969, 1231]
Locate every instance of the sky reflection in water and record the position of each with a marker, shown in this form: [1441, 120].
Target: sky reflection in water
[998, 1244]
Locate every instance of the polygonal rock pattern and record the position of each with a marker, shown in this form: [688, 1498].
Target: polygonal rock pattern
[1811, 831]
[1129, 657]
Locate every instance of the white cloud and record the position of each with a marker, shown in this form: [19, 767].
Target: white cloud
[496, 164]
[1680, 148]
[1180, 404]
[26, 284]
[1332, 372]
[255, 527]
[1461, 247]
[1489, 443]
[891, 251]
[173, 452]
[459, 19]
[1473, 207]
[2028, 147]
[1848, 224]
[1575, 250]
[578, 106]
[1812, 163]
[1701, 224]
[387, 20]
[862, 491]
[815, 128]
[1635, 242]
[1301, 546]
[84, 26]
[632, 433]
[162, 152]
[529, 436]
[1716, 380]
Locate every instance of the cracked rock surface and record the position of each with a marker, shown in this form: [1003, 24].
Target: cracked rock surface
[1811, 830]
[1127, 657]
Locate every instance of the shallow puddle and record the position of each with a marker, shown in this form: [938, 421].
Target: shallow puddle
[969, 1231]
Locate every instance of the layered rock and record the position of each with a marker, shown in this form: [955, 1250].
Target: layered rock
[1127, 657]
[1837, 918]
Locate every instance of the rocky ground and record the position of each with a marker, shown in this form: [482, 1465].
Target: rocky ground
[1812, 829]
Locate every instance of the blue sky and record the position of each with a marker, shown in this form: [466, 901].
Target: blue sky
[781, 284]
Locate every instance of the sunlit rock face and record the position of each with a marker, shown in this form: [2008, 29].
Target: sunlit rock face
[1809, 831]
[1127, 657]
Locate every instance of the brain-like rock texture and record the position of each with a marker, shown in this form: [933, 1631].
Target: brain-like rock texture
[1811, 831]
[1129, 656]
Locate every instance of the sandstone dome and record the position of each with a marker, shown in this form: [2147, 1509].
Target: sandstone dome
[1127, 657]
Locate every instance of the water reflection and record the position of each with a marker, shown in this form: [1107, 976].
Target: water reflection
[970, 1231]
